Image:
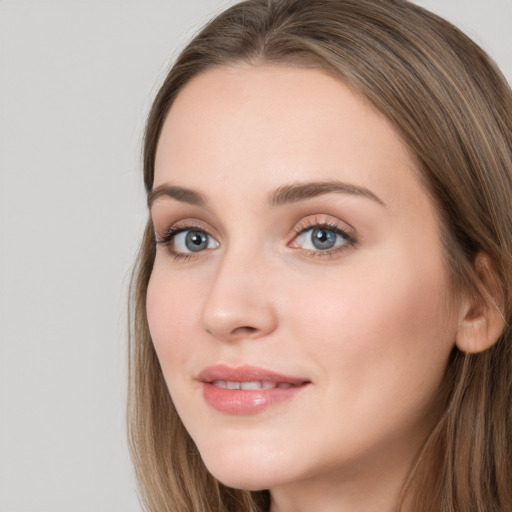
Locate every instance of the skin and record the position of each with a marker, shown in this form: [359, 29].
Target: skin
[370, 323]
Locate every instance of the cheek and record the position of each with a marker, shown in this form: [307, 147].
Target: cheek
[171, 311]
[382, 331]
[378, 300]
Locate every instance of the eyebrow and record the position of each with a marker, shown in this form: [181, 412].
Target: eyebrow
[301, 191]
[285, 194]
[184, 195]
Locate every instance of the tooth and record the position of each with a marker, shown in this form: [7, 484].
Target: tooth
[250, 385]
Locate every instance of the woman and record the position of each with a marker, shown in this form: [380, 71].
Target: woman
[322, 297]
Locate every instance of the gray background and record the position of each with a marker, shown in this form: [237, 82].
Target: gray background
[76, 80]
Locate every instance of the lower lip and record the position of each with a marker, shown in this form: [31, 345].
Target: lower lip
[246, 402]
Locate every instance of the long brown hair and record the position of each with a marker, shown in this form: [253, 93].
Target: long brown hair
[453, 109]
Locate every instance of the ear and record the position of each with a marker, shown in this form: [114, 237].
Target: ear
[482, 320]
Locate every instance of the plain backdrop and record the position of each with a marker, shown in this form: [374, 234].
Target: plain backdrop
[76, 81]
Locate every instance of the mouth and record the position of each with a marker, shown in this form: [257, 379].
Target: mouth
[247, 390]
[252, 385]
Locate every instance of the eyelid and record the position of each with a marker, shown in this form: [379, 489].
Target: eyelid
[167, 237]
[173, 228]
[319, 220]
[329, 223]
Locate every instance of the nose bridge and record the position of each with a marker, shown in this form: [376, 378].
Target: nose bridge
[240, 302]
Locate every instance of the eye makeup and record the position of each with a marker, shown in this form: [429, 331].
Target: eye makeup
[321, 236]
[313, 236]
[187, 238]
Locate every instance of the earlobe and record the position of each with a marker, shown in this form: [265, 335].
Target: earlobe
[482, 320]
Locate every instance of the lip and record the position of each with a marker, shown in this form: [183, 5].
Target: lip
[247, 402]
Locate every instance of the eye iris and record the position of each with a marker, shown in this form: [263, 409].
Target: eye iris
[196, 241]
[323, 238]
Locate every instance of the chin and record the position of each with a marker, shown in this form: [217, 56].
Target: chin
[244, 469]
[245, 482]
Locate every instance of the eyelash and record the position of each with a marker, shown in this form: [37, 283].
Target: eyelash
[171, 233]
[306, 225]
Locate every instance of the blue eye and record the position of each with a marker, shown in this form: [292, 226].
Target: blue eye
[192, 240]
[321, 238]
[183, 242]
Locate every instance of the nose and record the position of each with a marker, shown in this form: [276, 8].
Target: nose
[240, 303]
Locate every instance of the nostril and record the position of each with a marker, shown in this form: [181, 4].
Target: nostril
[244, 330]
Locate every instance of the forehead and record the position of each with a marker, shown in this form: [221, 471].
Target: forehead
[260, 126]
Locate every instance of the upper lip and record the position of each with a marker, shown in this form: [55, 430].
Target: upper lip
[246, 374]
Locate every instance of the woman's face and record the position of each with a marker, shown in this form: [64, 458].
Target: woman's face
[299, 259]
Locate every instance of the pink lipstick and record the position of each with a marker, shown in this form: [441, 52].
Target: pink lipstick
[247, 390]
